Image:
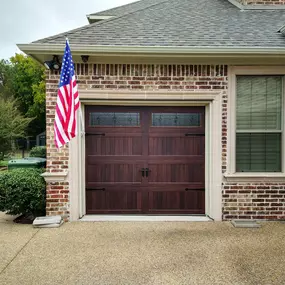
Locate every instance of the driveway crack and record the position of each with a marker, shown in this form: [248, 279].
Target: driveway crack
[19, 251]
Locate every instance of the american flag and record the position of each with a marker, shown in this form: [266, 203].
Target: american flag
[65, 123]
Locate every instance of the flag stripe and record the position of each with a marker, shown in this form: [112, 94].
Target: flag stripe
[65, 123]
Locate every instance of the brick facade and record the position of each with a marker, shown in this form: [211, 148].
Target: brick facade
[262, 2]
[57, 197]
[254, 201]
[240, 200]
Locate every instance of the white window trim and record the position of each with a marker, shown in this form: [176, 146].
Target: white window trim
[231, 174]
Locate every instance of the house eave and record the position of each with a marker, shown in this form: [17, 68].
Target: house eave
[149, 50]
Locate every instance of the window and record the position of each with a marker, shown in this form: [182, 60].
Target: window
[114, 119]
[259, 123]
[176, 119]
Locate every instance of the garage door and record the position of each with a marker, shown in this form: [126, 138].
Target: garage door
[145, 160]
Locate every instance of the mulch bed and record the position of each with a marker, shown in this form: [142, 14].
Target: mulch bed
[24, 219]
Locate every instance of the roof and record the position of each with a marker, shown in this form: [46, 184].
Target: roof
[183, 23]
[128, 8]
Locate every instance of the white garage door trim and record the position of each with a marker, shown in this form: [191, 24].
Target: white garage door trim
[213, 154]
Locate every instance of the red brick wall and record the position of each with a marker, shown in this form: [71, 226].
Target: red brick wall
[240, 200]
[262, 2]
[57, 198]
[254, 201]
[124, 76]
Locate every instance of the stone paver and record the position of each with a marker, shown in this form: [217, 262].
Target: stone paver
[149, 254]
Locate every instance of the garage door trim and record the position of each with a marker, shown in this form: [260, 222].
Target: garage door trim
[213, 103]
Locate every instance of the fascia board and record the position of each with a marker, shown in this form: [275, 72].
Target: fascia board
[92, 49]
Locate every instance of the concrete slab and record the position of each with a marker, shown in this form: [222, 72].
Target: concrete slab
[13, 238]
[151, 253]
[245, 224]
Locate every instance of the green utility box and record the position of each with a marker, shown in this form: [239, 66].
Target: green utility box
[29, 162]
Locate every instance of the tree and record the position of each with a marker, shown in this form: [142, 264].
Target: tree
[22, 84]
[28, 88]
[6, 79]
[12, 125]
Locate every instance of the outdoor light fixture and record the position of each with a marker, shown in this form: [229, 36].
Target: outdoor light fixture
[53, 64]
[85, 58]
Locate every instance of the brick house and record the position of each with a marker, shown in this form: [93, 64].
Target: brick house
[183, 111]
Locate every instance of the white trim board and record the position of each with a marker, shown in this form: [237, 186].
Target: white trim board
[143, 218]
[99, 50]
[231, 175]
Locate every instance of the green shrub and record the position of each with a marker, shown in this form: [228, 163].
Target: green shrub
[3, 163]
[22, 191]
[2, 192]
[38, 151]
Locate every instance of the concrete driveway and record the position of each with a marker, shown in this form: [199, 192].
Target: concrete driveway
[142, 253]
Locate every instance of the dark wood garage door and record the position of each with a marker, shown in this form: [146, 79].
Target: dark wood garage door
[145, 160]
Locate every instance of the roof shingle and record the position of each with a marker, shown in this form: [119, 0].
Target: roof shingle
[211, 23]
[128, 8]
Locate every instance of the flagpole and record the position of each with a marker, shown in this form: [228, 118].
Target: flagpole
[82, 122]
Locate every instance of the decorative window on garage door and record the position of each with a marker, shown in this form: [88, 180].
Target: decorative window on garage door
[176, 119]
[117, 119]
[259, 123]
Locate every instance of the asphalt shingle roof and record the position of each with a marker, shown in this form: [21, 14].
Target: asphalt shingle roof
[128, 8]
[191, 23]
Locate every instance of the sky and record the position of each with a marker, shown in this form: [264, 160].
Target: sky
[24, 21]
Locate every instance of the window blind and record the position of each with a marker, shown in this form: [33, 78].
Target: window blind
[259, 128]
[259, 102]
[258, 152]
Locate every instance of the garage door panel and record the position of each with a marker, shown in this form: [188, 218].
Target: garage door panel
[181, 145]
[114, 173]
[111, 145]
[195, 199]
[176, 201]
[113, 201]
[162, 200]
[176, 173]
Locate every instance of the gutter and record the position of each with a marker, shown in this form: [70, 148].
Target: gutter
[147, 50]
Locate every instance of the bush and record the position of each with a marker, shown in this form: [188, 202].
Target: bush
[38, 151]
[3, 163]
[22, 191]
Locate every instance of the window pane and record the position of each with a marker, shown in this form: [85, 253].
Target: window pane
[258, 152]
[176, 119]
[114, 119]
[259, 102]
